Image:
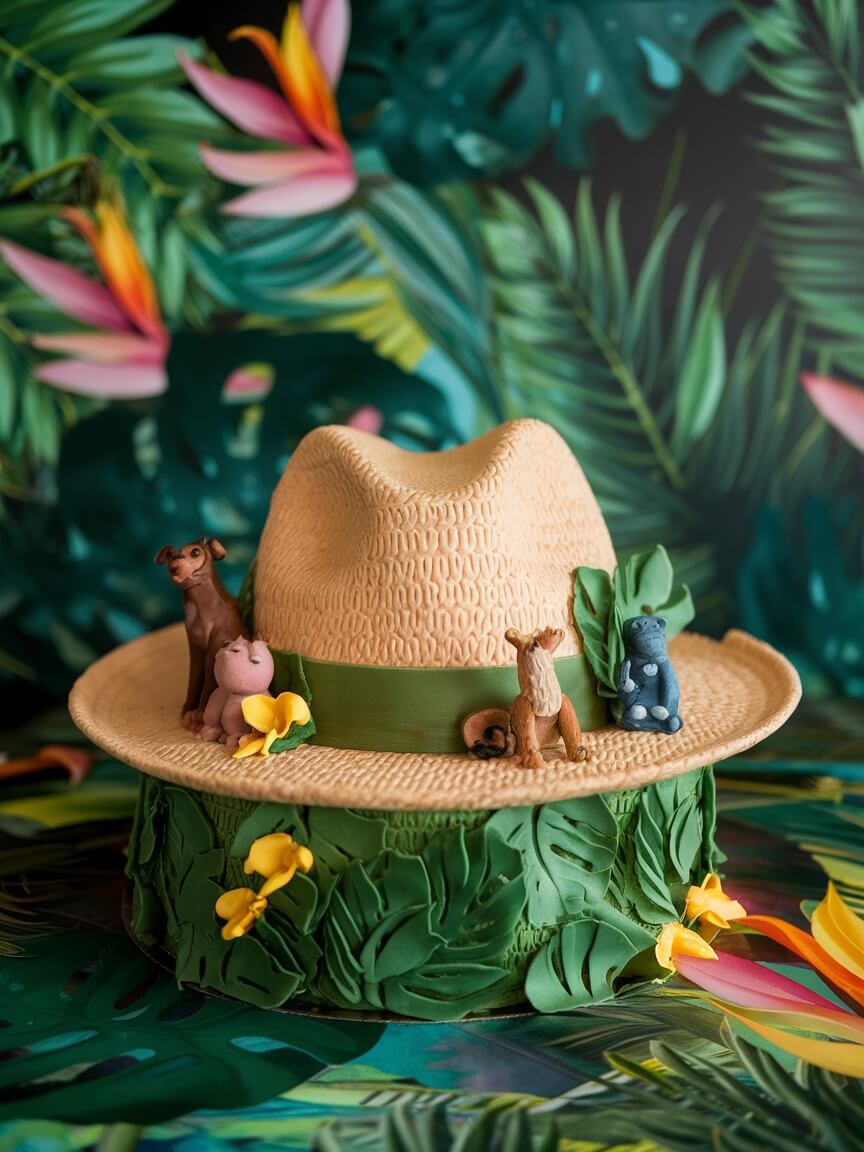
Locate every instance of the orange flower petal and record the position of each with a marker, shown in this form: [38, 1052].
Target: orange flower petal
[308, 91]
[268, 46]
[803, 945]
[126, 275]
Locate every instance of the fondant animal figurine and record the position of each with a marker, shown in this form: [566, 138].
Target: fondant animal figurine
[242, 668]
[541, 713]
[647, 684]
[212, 617]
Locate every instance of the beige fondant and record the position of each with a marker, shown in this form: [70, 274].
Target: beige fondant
[734, 693]
[376, 555]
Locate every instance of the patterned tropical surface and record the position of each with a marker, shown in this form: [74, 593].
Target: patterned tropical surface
[219, 228]
[101, 1050]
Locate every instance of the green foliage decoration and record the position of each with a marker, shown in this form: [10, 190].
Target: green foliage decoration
[455, 92]
[403, 1129]
[96, 1033]
[78, 577]
[644, 585]
[801, 587]
[450, 923]
[567, 848]
[810, 60]
[425, 935]
[662, 843]
[621, 371]
[582, 961]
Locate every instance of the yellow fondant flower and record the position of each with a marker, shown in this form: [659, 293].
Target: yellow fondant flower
[708, 903]
[272, 718]
[241, 907]
[676, 940]
[277, 858]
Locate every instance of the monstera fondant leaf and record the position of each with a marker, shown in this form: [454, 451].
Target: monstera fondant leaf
[478, 892]
[579, 965]
[667, 835]
[378, 930]
[567, 853]
[425, 935]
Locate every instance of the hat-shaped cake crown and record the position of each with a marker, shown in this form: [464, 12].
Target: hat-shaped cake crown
[375, 555]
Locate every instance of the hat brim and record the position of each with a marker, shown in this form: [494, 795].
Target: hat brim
[734, 693]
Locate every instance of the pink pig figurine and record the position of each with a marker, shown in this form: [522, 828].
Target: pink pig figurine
[242, 668]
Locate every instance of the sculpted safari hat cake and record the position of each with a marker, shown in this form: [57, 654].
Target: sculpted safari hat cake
[398, 784]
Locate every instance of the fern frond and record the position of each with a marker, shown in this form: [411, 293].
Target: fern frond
[811, 61]
[682, 436]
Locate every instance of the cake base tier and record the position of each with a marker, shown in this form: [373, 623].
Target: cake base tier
[421, 915]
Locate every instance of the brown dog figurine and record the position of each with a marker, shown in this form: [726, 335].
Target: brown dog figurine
[212, 618]
[541, 713]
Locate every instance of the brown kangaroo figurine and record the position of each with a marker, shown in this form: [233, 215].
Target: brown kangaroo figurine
[541, 713]
[211, 614]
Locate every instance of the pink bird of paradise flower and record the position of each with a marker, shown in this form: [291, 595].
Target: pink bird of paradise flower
[772, 1005]
[124, 358]
[840, 403]
[317, 172]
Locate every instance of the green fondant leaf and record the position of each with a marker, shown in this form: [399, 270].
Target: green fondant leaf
[644, 585]
[379, 912]
[685, 836]
[445, 992]
[297, 902]
[592, 608]
[578, 966]
[567, 853]
[296, 735]
[477, 889]
[336, 836]
[267, 818]
[288, 676]
[652, 898]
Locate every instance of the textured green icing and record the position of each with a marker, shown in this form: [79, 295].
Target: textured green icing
[433, 915]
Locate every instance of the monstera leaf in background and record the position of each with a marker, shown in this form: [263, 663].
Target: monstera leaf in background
[799, 589]
[78, 576]
[98, 1034]
[456, 90]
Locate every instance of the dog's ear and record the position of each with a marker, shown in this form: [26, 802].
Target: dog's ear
[217, 549]
[513, 637]
[163, 555]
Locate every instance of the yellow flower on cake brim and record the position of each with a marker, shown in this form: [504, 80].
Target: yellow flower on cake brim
[676, 940]
[277, 857]
[241, 907]
[272, 717]
[708, 903]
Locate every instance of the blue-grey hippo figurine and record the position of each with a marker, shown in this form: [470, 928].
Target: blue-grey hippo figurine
[647, 684]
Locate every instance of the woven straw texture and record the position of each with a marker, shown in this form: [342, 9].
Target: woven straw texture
[375, 555]
[733, 694]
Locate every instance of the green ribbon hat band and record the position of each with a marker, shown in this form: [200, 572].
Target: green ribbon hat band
[384, 709]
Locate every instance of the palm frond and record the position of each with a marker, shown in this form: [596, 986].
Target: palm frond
[678, 431]
[810, 60]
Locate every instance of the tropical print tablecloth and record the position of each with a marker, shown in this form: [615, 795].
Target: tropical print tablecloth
[101, 1050]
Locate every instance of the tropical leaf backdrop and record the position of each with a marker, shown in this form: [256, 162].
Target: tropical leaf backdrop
[436, 258]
